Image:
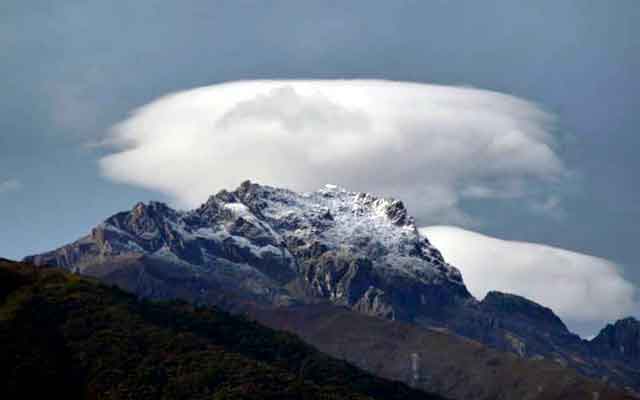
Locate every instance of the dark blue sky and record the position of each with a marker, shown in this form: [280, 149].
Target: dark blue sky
[72, 69]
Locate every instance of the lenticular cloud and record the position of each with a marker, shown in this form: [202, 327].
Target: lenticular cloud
[585, 291]
[430, 145]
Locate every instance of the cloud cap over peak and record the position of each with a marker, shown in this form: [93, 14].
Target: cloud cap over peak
[430, 145]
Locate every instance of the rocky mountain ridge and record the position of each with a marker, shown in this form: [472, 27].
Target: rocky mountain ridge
[350, 248]
[276, 247]
[621, 338]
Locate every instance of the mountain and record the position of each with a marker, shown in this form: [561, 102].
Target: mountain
[69, 337]
[430, 359]
[620, 340]
[280, 247]
[265, 246]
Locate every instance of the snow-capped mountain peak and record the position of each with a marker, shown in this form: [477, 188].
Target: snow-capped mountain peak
[349, 247]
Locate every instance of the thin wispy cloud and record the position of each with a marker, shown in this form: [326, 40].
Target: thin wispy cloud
[585, 291]
[550, 206]
[430, 145]
[10, 185]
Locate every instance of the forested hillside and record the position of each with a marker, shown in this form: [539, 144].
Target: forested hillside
[63, 335]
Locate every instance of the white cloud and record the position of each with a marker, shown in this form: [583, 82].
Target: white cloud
[10, 185]
[584, 291]
[427, 144]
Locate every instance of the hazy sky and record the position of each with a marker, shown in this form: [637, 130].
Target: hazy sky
[71, 70]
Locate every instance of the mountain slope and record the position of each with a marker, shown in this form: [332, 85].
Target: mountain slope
[278, 248]
[447, 364]
[620, 340]
[68, 336]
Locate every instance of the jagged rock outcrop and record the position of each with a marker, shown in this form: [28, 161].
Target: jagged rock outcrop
[620, 340]
[518, 308]
[352, 249]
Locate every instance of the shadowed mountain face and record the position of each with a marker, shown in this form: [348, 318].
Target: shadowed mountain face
[450, 365]
[620, 340]
[69, 337]
[277, 248]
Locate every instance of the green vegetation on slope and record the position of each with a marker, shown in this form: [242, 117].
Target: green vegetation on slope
[62, 335]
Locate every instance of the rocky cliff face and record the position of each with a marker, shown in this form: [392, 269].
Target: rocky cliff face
[276, 247]
[351, 249]
[620, 340]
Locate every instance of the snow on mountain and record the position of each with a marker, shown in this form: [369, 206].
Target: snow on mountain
[359, 223]
[352, 248]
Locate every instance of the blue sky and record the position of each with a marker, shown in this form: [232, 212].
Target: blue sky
[71, 70]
